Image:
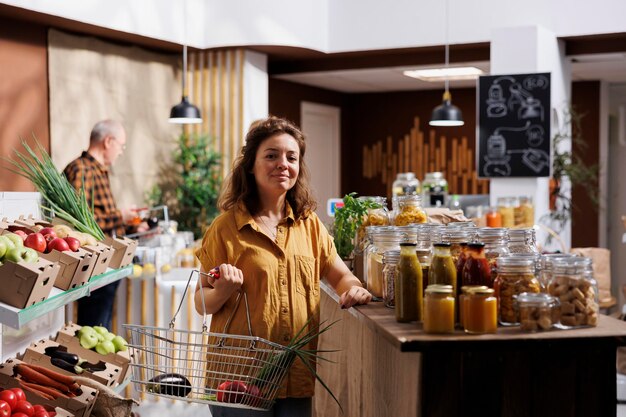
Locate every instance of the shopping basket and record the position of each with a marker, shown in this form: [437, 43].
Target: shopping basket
[210, 368]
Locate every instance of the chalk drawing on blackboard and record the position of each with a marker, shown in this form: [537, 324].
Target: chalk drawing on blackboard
[497, 160]
[535, 134]
[535, 159]
[530, 107]
[496, 103]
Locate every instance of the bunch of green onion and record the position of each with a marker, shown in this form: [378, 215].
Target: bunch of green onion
[60, 196]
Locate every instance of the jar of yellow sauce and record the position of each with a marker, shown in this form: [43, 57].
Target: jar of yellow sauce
[463, 300]
[481, 311]
[439, 309]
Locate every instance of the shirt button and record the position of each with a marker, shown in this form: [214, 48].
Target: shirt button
[285, 310]
[286, 338]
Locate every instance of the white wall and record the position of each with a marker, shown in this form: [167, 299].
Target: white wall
[335, 25]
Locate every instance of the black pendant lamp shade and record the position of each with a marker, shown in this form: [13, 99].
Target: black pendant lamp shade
[446, 114]
[185, 113]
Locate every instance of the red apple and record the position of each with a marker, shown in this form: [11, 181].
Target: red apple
[73, 243]
[58, 244]
[21, 234]
[36, 241]
[49, 238]
[48, 231]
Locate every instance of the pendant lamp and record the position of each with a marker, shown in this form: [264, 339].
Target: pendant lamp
[185, 112]
[446, 114]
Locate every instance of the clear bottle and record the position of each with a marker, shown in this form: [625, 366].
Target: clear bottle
[391, 259]
[537, 311]
[384, 238]
[408, 288]
[410, 211]
[522, 241]
[516, 274]
[576, 290]
[493, 217]
[455, 202]
[481, 312]
[496, 245]
[434, 189]
[439, 308]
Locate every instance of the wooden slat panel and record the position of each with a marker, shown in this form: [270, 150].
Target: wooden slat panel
[400, 156]
[241, 127]
[232, 104]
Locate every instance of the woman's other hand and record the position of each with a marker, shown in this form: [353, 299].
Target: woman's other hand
[355, 295]
[230, 279]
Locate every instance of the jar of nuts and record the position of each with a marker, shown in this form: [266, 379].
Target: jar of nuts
[576, 291]
[537, 311]
[516, 275]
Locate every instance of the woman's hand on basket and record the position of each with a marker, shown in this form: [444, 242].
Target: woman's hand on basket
[355, 295]
[229, 280]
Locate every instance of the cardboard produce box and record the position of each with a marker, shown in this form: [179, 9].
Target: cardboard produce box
[32, 222]
[67, 337]
[102, 257]
[24, 284]
[79, 406]
[124, 250]
[36, 354]
[76, 267]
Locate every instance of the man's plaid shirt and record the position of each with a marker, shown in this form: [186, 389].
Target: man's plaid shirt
[98, 190]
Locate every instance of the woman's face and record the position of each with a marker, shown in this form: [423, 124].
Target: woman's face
[277, 164]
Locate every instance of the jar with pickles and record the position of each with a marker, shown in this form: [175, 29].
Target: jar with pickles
[515, 275]
[384, 238]
[481, 312]
[410, 211]
[391, 259]
[439, 308]
[576, 291]
[496, 245]
[522, 241]
[408, 289]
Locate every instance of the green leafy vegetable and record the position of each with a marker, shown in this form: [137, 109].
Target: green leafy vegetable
[347, 221]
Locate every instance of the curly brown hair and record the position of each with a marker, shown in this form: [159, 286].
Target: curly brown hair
[240, 185]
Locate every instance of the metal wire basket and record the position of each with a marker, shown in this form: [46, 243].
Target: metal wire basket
[210, 368]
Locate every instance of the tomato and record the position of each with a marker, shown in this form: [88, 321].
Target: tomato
[5, 409]
[19, 415]
[38, 408]
[19, 393]
[10, 397]
[24, 407]
[231, 391]
[41, 413]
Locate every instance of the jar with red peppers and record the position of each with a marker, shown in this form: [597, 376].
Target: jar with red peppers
[476, 270]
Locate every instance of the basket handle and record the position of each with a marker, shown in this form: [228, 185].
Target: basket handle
[232, 313]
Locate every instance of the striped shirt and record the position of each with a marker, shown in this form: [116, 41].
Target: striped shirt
[97, 190]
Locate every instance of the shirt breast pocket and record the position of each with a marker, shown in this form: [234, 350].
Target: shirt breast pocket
[307, 283]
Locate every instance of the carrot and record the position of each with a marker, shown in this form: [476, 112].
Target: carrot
[36, 392]
[63, 379]
[48, 390]
[39, 378]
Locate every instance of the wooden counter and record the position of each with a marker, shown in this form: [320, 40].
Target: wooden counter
[385, 368]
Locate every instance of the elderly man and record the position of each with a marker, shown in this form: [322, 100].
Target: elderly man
[106, 143]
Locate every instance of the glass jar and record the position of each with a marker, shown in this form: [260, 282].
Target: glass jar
[522, 241]
[410, 211]
[506, 208]
[391, 258]
[409, 233]
[524, 212]
[408, 288]
[493, 217]
[434, 189]
[537, 311]
[496, 245]
[405, 184]
[377, 215]
[439, 308]
[429, 233]
[481, 311]
[576, 292]
[457, 235]
[466, 289]
[476, 270]
[515, 275]
[384, 238]
[460, 261]
[547, 260]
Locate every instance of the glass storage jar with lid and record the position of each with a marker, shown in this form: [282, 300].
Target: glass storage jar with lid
[439, 309]
[537, 311]
[391, 258]
[496, 245]
[506, 208]
[524, 212]
[435, 190]
[455, 236]
[405, 184]
[576, 291]
[377, 215]
[522, 241]
[546, 262]
[481, 311]
[410, 211]
[384, 238]
[516, 274]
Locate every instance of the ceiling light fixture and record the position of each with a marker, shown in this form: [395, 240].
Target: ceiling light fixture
[439, 74]
[446, 114]
[185, 112]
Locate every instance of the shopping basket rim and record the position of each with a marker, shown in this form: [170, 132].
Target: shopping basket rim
[129, 326]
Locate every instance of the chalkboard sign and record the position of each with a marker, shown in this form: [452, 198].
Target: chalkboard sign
[514, 126]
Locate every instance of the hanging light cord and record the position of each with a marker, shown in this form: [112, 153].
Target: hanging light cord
[184, 48]
[447, 47]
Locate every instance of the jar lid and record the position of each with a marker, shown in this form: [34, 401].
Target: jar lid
[520, 233]
[405, 176]
[408, 244]
[535, 299]
[482, 291]
[466, 289]
[439, 289]
[434, 175]
[493, 232]
[475, 245]
[461, 224]
[442, 245]
[513, 260]
[391, 256]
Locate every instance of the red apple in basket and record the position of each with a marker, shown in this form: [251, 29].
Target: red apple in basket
[58, 244]
[73, 243]
[21, 234]
[48, 231]
[36, 241]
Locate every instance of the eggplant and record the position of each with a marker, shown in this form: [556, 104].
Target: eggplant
[66, 366]
[61, 353]
[93, 367]
[170, 384]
